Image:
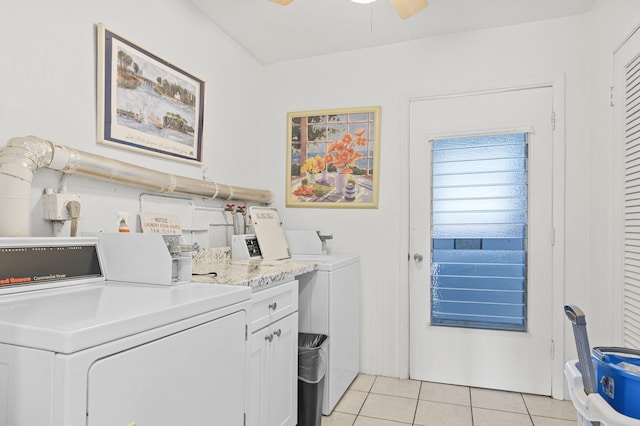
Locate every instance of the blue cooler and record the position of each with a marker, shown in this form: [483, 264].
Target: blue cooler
[617, 385]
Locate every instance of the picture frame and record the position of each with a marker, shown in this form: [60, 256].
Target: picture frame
[145, 103]
[333, 158]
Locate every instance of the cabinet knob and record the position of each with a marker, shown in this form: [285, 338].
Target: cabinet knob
[269, 337]
[273, 306]
[278, 332]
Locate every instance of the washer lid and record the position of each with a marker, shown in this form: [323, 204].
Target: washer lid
[73, 318]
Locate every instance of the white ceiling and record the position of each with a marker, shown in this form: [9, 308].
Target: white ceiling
[305, 28]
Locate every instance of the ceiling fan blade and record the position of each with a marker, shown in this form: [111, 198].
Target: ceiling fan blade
[407, 8]
[282, 2]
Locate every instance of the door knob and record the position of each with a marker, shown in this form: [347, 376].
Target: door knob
[418, 257]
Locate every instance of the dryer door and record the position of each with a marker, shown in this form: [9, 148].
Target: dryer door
[194, 377]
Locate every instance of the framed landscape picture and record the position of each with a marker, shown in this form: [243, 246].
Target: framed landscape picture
[333, 158]
[146, 103]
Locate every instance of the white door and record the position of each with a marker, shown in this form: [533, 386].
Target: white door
[499, 359]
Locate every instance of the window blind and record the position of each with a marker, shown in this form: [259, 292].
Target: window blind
[479, 228]
[631, 290]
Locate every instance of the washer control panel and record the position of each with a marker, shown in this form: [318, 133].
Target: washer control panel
[245, 246]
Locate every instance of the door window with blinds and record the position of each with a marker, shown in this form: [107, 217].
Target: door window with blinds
[479, 232]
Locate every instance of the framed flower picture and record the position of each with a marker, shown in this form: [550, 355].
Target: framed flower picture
[333, 158]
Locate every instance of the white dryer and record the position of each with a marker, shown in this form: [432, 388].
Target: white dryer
[79, 349]
[329, 303]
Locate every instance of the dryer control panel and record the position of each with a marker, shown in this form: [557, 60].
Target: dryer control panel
[36, 261]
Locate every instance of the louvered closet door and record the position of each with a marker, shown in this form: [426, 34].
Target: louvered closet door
[627, 118]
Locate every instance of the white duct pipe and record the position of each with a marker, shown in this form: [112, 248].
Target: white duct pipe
[23, 156]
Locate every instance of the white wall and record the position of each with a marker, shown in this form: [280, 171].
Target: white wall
[387, 76]
[48, 87]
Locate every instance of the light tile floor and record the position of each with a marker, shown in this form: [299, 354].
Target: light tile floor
[384, 401]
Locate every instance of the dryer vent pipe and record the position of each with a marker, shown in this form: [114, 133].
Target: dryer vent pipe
[23, 156]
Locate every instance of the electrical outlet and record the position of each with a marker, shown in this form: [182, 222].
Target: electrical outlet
[54, 205]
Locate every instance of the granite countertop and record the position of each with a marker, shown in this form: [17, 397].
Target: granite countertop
[252, 273]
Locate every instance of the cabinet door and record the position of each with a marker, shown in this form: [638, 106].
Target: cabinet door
[283, 373]
[194, 377]
[259, 382]
[274, 374]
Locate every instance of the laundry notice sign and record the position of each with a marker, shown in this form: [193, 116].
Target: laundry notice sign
[154, 223]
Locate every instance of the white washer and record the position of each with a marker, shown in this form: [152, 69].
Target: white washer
[329, 303]
[83, 350]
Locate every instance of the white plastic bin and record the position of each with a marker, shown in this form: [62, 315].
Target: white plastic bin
[592, 407]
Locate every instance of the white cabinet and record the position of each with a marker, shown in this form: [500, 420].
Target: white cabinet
[273, 356]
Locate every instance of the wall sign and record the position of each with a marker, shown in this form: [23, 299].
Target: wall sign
[154, 223]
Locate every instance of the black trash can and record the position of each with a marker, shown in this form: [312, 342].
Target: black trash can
[312, 367]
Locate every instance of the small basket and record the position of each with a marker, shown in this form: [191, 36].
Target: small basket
[618, 386]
